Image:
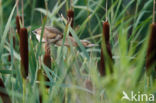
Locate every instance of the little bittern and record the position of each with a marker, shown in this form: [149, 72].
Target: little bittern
[53, 35]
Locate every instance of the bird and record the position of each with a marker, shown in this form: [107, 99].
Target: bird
[54, 36]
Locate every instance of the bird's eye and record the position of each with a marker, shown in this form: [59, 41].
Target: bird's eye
[34, 32]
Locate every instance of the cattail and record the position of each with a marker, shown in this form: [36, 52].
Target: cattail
[9, 58]
[106, 54]
[151, 51]
[3, 93]
[24, 52]
[106, 32]
[40, 97]
[70, 16]
[18, 20]
[47, 57]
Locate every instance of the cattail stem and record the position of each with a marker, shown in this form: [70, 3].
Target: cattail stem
[106, 54]
[42, 90]
[17, 1]
[151, 50]
[3, 93]
[24, 52]
[106, 10]
[24, 90]
[153, 11]
[148, 81]
[71, 1]
[22, 13]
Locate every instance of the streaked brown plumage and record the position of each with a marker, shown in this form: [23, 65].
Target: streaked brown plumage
[53, 35]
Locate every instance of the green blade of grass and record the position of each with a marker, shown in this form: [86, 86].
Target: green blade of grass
[3, 39]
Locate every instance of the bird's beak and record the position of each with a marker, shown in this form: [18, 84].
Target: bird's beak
[92, 45]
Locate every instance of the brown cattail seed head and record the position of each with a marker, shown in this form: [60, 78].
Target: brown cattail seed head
[47, 57]
[102, 65]
[106, 32]
[18, 20]
[151, 51]
[106, 53]
[24, 52]
[3, 93]
[9, 58]
[70, 16]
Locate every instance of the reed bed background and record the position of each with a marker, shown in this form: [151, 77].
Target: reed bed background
[122, 61]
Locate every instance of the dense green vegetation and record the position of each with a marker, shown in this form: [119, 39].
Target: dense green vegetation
[74, 75]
